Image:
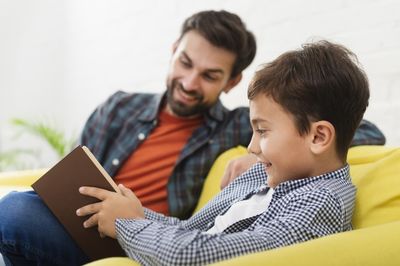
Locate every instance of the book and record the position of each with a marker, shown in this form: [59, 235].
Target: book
[58, 188]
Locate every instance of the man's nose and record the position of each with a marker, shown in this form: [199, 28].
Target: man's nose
[191, 81]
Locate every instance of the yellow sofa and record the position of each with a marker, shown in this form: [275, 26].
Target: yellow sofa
[375, 240]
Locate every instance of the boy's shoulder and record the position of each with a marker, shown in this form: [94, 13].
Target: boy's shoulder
[333, 190]
[335, 185]
[337, 182]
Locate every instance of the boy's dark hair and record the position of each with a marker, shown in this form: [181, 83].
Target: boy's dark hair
[225, 30]
[321, 81]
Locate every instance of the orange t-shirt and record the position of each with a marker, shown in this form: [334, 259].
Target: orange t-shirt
[148, 168]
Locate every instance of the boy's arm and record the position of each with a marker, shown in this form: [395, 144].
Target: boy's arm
[252, 179]
[312, 215]
[158, 217]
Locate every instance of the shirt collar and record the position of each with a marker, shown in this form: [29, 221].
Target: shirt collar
[288, 186]
[150, 113]
[216, 112]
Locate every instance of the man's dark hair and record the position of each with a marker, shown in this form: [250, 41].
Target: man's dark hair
[321, 81]
[224, 30]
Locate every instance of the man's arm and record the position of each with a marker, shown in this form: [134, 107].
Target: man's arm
[368, 134]
[313, 215]
[236, 167]
[101, 121]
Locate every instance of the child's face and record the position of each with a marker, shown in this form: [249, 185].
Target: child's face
[277, 143]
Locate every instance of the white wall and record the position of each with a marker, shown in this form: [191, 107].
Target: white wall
[60, 59]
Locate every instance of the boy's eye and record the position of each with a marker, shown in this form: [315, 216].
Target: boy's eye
[261, 132]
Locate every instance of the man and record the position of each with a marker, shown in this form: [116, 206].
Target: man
[177, 136]
[160, 146]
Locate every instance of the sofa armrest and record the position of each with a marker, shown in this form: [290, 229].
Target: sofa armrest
[21, 178]
[18, 180]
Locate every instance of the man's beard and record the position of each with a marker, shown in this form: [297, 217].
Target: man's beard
[181, 109]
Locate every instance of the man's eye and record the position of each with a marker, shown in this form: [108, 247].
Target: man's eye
[209, 77]
[185, 63]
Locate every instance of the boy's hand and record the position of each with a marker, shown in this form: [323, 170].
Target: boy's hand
[236, 167]
[112, 206]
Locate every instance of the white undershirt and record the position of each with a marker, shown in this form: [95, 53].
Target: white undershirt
[241, 210]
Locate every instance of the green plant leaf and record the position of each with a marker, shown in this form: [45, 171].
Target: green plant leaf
[53, 136]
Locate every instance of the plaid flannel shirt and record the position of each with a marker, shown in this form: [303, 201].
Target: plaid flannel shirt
[117, 127]
[300, 210]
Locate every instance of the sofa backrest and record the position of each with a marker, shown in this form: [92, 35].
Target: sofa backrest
[375, 170]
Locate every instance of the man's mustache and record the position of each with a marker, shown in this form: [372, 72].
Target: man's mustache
[194, 94]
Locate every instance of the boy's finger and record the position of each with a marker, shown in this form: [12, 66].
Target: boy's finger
[95, 192]
[89, 209]
[92, 221]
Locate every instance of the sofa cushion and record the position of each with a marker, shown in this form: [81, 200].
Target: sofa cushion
[375, 170]
[375, 245]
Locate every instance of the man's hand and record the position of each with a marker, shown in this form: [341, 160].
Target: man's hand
[112, 205]
[237, 167]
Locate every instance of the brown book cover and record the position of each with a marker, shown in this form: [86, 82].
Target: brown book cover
[58, 188]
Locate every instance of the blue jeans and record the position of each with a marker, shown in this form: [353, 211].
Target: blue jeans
[31, 235]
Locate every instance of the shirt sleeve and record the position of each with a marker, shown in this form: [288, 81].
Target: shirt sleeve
[311, 215]
[368, 134]
[155, 216]
[99, 121]
[242, 124]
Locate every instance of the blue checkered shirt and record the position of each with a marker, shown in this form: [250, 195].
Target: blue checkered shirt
[300, 210]
[117, 127]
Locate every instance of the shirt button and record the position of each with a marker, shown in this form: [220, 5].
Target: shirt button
[115, 162]
[141, 136]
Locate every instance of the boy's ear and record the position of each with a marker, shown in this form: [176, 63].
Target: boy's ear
[232, 82]
[322, 135]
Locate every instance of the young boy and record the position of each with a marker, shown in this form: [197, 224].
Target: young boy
[304, 108]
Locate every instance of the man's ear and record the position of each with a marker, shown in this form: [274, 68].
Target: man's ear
[232, 82]
[322, 136]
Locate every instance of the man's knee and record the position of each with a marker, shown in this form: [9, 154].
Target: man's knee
[20, 209]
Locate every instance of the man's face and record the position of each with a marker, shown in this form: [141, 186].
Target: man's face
[198, 73]
[277, 143]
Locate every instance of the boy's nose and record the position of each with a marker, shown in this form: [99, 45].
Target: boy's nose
[254, 146]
